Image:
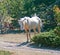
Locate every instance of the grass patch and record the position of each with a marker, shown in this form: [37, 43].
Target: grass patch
[5, 53]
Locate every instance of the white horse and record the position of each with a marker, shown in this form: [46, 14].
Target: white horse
[28, 23]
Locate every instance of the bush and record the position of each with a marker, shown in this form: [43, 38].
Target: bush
[57, 30]
[47, 39]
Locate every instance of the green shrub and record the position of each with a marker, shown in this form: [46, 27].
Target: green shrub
[47, 39]
[57, 30]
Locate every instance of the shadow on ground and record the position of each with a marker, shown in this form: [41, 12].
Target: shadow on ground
[43, 47]
[12, 32]
[22, 44]
[34, 46]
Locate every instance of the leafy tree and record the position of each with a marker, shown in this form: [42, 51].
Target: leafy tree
[57, 17]
[20, 8]
[57, 13]
[3, 13]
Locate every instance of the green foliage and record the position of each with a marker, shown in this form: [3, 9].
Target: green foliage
[5, 53]
[56, 13]
[50, 21]
[15, 8]
[20, 8]
[3, 11]
[57, 30]
[14, 22]
[47, 39]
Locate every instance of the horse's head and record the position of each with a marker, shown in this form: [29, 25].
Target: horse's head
[21, 23]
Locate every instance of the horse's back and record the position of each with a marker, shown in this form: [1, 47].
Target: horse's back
[32, 23]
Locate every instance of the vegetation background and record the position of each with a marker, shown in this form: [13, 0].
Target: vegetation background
[47, 10]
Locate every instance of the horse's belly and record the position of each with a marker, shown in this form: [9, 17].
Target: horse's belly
[33, 24]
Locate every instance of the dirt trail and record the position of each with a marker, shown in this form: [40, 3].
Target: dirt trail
[16, 43]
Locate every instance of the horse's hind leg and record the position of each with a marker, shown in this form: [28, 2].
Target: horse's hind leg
[39, 29]
[34, 31]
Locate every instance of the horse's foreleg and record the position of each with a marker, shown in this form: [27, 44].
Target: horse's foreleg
[29, 35]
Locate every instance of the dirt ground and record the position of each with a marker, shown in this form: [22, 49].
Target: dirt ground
[16, 44]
